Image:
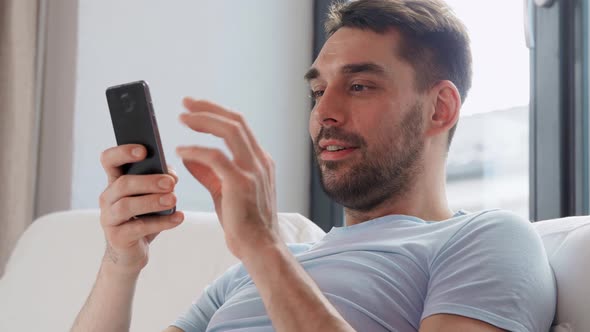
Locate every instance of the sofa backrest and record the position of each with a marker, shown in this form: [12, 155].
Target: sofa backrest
[54, 265]
[567, 242]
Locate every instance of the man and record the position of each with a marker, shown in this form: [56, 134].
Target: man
[388, 86]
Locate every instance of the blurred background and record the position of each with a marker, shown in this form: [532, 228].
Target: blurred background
[520, 145]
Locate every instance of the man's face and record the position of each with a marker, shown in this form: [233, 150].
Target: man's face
[367, 123]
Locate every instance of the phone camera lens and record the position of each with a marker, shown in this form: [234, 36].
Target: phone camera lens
[127, 103]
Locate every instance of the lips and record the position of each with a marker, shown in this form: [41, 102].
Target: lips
[337, 155]
[332, 145]
[331, 150]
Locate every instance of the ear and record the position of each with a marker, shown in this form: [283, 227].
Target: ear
[445, 113]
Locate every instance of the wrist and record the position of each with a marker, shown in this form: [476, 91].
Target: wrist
[117, 270]
[263, 251]
[250, 241]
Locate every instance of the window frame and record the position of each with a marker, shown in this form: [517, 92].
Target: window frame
[558, 120]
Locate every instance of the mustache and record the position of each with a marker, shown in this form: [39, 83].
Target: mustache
[338, 134]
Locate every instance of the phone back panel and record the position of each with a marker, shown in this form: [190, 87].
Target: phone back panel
[134, 121]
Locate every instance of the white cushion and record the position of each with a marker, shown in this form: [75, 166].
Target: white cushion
[567, 242]
[54, 265]
[565, 327]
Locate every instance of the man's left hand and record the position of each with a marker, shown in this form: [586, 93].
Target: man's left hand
[242, 188]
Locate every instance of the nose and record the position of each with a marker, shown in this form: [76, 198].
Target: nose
[329, 109]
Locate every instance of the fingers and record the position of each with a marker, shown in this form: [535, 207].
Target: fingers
[210, 166]
[132, 195]
[112, 159]
[133, 185]
[230, 131]
[210, 118]
[148, 227]
[208, 108]
[216, 160]
[196, 106]
[151, 226]
[237, 130]
[206, 176]
[128, 207]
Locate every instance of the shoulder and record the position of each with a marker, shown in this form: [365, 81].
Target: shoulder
[500, 225]
[494, 268]
[494, 218]
[494, 235]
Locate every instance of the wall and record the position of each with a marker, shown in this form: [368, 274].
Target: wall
[247, 55]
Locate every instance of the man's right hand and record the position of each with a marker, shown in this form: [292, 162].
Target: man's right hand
[127, 196]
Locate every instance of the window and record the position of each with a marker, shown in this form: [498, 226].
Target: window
[488, 162]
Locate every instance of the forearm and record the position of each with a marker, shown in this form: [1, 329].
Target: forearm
[108, 307]
[292, 299]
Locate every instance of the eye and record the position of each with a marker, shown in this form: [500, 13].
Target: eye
[358, 87]
[316, 94]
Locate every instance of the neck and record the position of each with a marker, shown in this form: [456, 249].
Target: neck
[426, 200]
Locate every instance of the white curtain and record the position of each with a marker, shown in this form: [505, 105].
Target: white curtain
[18, 146]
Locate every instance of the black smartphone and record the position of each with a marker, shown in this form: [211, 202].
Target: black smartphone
[134, 121]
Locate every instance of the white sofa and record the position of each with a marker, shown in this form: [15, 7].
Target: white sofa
[54, 265]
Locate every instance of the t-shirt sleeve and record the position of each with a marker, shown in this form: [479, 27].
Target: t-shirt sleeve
[494, 269]
[197, 317]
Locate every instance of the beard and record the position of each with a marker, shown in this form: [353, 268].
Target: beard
[387, 172]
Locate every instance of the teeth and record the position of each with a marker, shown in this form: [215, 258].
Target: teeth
[334, 148]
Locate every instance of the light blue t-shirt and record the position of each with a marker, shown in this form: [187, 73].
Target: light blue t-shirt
[389, 273]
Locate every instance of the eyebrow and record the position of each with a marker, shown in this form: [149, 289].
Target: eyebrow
[353, 68]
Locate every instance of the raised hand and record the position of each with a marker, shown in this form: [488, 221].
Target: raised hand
[242, 186]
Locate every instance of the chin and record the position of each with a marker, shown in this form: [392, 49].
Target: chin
[331, 166]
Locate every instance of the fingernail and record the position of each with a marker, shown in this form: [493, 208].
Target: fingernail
[177, 218]
[137, 152]
[182, 118]
[165, 183]
[167, 200]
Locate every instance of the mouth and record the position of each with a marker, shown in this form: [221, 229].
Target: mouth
[328, 155]
[334, 150]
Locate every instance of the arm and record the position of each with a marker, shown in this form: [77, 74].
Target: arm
[243, 192]
[301, 306]
[108, 308]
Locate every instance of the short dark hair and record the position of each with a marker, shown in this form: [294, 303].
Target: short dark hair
[433, 40]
